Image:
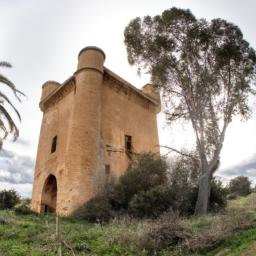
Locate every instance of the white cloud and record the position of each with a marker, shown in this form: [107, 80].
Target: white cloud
[24, 190]
[16, 169]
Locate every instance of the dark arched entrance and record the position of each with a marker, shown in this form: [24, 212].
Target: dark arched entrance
[49, 194]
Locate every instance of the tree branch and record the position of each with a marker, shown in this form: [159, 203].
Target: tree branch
[177, 151]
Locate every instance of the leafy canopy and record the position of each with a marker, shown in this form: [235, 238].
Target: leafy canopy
[204, 68]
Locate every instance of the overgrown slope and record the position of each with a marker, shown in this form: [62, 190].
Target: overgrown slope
[231, 233]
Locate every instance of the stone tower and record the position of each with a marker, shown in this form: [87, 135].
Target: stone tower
[92, 125]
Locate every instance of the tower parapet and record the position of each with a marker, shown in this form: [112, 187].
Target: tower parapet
[91, 57]
[48, 87]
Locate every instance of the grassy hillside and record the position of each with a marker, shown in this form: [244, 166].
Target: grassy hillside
[231, 233]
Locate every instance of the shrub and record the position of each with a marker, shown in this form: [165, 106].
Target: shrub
[240, 185]
[98, 209]
[8, 199]
[23, 209]
[151, 203]
[218, 229]
[183, 179]
[232, 196]
[218, 196]
[146, 171]
[166, 231]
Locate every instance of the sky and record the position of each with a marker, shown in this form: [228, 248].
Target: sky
[42, 38]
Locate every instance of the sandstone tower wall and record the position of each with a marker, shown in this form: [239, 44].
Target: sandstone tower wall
[92, 126]
[56, 122]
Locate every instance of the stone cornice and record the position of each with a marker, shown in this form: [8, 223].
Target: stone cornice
[126, 84]
[69, 84]
[58, 94]
[88, 68]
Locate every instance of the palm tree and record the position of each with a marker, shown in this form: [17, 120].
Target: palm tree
[7, 124]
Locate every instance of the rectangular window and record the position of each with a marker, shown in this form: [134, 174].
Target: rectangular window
[54, 144]
[128, 143]
[107, 169]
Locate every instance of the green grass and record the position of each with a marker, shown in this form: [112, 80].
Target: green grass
[248, 202]
[34, 235]
[234, 244]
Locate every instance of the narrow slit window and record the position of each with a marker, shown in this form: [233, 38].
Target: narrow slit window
[128, 143]
[54, 144]
[107, 169]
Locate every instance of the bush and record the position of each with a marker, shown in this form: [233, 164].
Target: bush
[183, 179]
[232, 196]
[218, 196]
[23, 209]
[98, 209]
[8, 199]
[151, 203]
[166, 231]
[240, 185]
[146, 171]
[218, 229]
[145, 190]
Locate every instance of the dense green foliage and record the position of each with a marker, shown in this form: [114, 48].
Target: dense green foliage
[8, 199]
[145, 172]
[98, 209]
[149, 188]
[183, 180]
[218, 196]
[151, 203]
[143, 186]
[240, 185]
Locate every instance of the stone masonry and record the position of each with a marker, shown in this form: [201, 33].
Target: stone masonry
[92, 126]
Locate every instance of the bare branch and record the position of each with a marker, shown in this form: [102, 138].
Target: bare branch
[177, 151]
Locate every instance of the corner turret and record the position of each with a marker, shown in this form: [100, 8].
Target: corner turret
[49, 87]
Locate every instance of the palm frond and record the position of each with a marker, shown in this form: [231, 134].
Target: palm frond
[10, 84]
[7, 124]
[3, 128]
[5, 64]
[10, 103]
[12, 126]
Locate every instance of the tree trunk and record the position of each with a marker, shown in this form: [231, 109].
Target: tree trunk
[203, 194]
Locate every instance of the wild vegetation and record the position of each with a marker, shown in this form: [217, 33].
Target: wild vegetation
[150, 187]
[231, 232]
[240, 186]
[8, 199]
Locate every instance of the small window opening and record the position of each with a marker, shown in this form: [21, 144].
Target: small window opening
[128, 143]
[54, 144]
[107, 169]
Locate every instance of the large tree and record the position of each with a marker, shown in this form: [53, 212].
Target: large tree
[205, 70]
[7, 123]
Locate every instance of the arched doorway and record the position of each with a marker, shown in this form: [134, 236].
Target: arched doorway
[49, 195]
